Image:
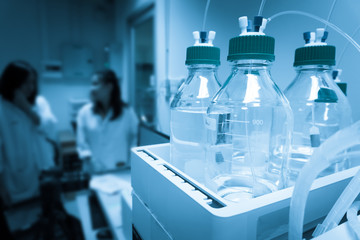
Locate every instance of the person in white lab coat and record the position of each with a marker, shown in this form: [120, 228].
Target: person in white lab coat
[106, 127]
[26, 127]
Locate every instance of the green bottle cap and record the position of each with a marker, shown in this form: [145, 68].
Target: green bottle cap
[251, 47]
[312, 55]
[202, 55]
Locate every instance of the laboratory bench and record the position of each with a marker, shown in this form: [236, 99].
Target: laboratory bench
[114, 206]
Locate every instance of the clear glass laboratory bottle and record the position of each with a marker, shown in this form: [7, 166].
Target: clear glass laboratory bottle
[188, 111]
[249, 128]
[188, 114]
[320, 109]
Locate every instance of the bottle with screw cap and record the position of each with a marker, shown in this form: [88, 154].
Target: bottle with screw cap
[249, 121]
[336, 77]
[320, 108]
[188, 108]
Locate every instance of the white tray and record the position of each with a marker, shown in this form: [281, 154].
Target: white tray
[187, 210]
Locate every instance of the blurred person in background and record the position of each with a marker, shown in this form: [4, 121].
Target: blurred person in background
[107, 127]
[27, 133]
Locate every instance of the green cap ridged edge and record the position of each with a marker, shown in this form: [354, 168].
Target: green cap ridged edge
[202, 55]
[251, 47]
[313, 55]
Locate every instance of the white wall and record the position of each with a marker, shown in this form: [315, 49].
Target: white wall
[185, 16]
[36, 30]
[20, 36]
[88, 23]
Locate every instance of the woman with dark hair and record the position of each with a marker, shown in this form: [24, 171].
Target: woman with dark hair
[106, 127]
[26, 124]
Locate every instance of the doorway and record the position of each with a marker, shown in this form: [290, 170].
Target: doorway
[143, 84]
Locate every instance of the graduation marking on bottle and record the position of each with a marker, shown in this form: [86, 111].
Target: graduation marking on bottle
[258, 122]
[237, 121]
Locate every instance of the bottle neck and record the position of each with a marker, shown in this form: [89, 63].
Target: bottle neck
[315, 68]
[254, 64]
[200, 71]
[202, 67]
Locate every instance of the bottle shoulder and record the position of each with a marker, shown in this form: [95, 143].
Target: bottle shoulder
[197, 90]
[250, 88]
[305, 87]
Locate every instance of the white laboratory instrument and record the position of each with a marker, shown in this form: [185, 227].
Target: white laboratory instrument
[168, 204]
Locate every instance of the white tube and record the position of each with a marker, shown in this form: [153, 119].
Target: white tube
[319, 161]
[330, 12]
[342, 204]
[339, 209]
[345, 47]
[346, 155]
[353, 218]
[333, 26]
[261, 7]
[205, 14]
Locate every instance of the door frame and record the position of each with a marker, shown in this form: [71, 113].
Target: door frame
[138, 17]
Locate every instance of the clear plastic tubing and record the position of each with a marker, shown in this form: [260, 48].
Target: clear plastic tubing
[333, 26]
[320, 160]
[330, 12]
[346, 46]
[205, 14]
[346, 155]
[343, 203]
[353, 218]
[261, 7]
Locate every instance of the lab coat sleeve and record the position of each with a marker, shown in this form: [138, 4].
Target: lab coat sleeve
[47, 119]
[83, 148]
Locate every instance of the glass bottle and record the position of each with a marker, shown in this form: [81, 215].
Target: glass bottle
[249, 124]
[188, 108]
[320, 107]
